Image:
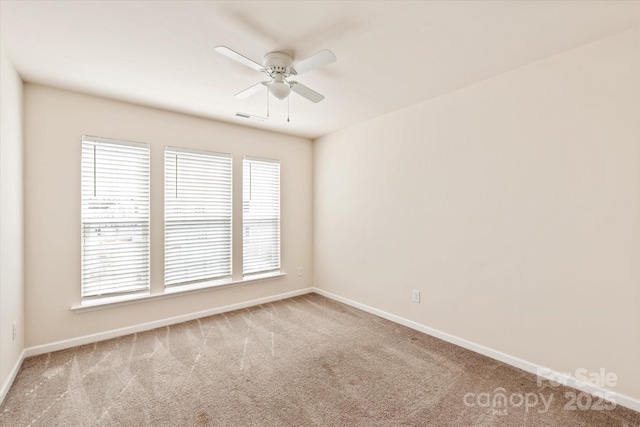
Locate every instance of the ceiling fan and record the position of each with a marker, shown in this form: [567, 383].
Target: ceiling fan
[279, 67]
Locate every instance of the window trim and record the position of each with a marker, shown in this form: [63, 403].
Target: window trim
[94, 305]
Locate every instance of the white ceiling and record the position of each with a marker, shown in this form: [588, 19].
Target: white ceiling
[391, 54]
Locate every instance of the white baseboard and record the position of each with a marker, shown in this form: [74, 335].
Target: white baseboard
[619, 399]
[115, 333]
[12, 376]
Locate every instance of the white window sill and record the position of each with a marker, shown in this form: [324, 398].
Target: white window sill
[170, 293]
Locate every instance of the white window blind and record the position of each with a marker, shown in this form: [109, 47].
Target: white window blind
[198, 216]
[260, 216]
[115, 218]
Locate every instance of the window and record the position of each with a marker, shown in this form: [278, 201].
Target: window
[197, 225]
[260, 216]
[115, 218]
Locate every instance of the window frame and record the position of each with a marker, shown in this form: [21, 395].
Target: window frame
[249, 268]
[191, 155]
[92, 290]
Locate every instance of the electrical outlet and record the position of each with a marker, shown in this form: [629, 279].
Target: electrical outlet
[299, 271]
[15, 331]
[416, 295]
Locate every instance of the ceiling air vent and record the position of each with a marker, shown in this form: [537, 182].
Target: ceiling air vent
[251, 116]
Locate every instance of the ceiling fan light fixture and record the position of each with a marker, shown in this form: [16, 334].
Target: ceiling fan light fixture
[279, 90]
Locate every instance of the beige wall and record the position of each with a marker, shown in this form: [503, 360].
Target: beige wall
[11, 223]
[55, 121]
[513, 205]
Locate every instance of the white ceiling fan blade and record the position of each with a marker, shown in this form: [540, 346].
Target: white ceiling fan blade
[318, 60]
[252, 90]
[305, 92]
[237, 57]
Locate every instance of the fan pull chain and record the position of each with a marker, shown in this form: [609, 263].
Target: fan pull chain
[267, 101]
[288, 105]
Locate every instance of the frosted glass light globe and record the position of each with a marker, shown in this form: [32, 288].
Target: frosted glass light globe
[279, 90]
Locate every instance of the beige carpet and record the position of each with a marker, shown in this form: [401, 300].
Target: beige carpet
[304, 361]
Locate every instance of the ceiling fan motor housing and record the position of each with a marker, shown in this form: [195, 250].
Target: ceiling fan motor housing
[278, 63]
